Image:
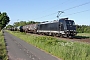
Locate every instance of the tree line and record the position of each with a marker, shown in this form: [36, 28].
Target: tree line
[4, 20]
[21, 23]
[83, 28]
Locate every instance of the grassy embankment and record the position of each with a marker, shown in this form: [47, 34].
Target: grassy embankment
[3, 54]
[65, 50]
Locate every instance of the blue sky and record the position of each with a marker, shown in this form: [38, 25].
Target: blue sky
[46, 10]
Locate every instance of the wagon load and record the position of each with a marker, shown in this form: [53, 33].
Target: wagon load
[30, 28]
[33, 28]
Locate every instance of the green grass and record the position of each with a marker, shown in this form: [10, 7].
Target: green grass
[83, 35]
[65, 50]
[3, 54]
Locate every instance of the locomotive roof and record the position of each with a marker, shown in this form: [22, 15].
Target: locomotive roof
[49, 22]
[54, 21]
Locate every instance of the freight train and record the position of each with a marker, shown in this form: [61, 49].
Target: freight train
[62, 27]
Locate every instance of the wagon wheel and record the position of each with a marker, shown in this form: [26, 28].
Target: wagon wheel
[61, 36]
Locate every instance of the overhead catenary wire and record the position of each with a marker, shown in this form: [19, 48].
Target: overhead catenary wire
[78, 12]
[77, 6]
[51, 13]
[59, 4]
[45, 16]
[65, 10]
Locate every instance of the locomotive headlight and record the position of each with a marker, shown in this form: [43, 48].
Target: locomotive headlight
[74, 30]
[74, 33]
[71, 30]
[67, 30]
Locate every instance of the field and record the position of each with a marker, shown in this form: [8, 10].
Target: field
[65, 50]
[83, 36]
[3, 55]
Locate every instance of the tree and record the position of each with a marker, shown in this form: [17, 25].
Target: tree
[9, 26]
[83, 28]
[4, 20]
[21, 23]
[32, 22]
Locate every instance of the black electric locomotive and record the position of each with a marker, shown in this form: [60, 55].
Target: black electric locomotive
[62, 27]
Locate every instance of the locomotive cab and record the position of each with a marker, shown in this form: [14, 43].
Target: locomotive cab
[67, 27]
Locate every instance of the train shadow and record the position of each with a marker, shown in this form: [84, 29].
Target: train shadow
[81, 37]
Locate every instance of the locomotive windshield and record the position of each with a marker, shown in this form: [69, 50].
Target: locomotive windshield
[70, 22]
